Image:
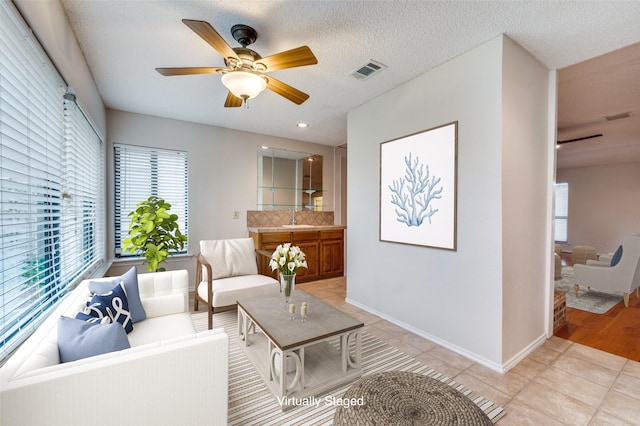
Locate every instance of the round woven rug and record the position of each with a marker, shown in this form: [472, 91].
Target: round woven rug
[402, 398]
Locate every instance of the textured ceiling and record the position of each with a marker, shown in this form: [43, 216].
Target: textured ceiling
[124, 41]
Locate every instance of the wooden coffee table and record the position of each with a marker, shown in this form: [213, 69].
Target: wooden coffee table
[321, 353]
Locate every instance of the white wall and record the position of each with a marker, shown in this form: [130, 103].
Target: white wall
[223, 166]
[525, 186]
[454, 298]
[604, 204]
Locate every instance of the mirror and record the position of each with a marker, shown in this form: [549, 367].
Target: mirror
[289, 179]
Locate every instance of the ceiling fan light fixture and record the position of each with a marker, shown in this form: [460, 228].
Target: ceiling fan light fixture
[243, 84]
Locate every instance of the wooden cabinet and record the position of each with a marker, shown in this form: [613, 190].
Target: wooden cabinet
[324, 250]
[331, 253]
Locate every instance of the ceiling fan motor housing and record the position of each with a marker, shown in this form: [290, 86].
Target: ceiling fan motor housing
[244, 34]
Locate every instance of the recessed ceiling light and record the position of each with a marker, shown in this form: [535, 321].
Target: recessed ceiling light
[302, 125]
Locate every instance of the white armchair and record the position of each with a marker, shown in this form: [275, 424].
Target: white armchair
[227, 270]
[623, 278]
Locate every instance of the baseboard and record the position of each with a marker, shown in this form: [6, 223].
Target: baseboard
[513, 361]
[472, 356]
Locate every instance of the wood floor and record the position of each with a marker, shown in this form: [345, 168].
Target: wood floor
[616, 332]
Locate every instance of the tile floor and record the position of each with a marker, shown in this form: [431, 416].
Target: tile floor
[561, 383]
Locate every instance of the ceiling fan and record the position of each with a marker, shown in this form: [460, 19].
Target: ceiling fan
[244, 72]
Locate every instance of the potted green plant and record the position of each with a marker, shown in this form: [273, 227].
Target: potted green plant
[154, 232]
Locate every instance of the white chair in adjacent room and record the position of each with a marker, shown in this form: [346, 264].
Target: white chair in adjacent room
[622, 278]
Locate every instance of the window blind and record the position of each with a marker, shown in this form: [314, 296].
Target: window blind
[82, 232]
[141, 172]
[40, 148]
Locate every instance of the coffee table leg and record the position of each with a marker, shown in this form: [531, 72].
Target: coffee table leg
[243, 327]
[346, 340]
[301, 350]
[284, 387]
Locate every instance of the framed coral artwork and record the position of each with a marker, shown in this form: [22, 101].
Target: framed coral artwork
[418, 183]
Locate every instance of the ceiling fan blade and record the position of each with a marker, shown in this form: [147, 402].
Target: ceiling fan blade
[297, 57]
[211, 36]
[232, 101]
[188, 71]
[283, 89]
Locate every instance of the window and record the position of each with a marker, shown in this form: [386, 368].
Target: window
[561, 193]
[141, 172]
[51, 186]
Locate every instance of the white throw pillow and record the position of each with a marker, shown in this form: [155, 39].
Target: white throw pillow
[230, 258]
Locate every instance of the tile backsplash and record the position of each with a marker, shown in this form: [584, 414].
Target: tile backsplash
[269, 218]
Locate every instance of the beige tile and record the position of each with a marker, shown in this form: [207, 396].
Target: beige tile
[632, 368]
[401, 344]
[529, 368]
[574, 386]
[509, 383]
[419, 342]
[379, 333]
[545, 354]
[628, 385]
[483, 388]
[439, 365]
[557, 344]
[604, 359]
[603, 419]
[587, 370]
[451, 357]
[363, 316]
[520, 414]
[556, 405]
[391, 328]
[622, 406]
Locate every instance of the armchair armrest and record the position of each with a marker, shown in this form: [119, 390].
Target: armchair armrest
[201, 263]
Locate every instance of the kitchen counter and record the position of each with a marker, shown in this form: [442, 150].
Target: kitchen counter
[295, 228]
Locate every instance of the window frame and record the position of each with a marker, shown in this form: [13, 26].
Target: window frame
[561, 211]
[162, 165]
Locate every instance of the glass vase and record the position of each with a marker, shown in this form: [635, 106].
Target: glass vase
[287, 284]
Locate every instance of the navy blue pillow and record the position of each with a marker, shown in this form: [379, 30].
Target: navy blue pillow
[85, 317]
[616, 256]
[130, 279]
[112, 304]
[79, 339]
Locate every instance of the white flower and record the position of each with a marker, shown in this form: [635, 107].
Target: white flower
[287, 259]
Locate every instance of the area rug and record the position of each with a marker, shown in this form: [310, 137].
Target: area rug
[587, 300]
[251, 403]
[402, 398]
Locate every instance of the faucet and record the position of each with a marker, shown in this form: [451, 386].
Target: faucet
[293, 216]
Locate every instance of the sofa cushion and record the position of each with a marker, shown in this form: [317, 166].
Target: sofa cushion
[79, 339]
[130, 279]
[616, 256]
[112, 304]
[229, 258]
[163, 305]
[227, 291]
[161, 328]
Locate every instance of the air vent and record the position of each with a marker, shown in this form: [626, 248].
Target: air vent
[617, 116]
[367, 70]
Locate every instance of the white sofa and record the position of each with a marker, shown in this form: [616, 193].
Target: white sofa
[171, 375]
